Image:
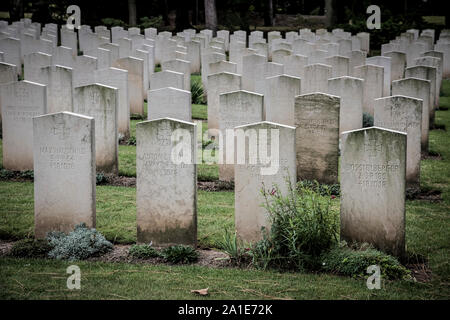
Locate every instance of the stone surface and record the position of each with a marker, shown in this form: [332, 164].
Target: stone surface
[171, 103]
[316, 78]
[118, 79]
[350, 90]
[280, 92]
[236, 108]
[20, 101]
[403, 114]
[317, 137]
[64, 172]
[373, 166]
[373, 84]
[217, 84]
[135, 68]
[166, 194]
[181, 66]
[384, 62]
[419, 89]
[253, 173]
[101, 102]
[164, 79]
[426, 73]
[59, 81]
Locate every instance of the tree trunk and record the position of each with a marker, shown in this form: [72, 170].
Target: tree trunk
[16, 10]
[268, 13]
[132, 13]
[211, 15]
[329, 13]
[182, 16]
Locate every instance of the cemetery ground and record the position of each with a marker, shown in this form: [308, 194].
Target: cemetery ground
[427, 225]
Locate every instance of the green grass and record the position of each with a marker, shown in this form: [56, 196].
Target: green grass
[46, 279]
[199, 111]
[116, 213]
[438, 20]
[427, 227]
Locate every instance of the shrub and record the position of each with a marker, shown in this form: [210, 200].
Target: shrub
[233, 247]
[354, 262]
[6, 174]
[152, 22]
[196, 91]
[79, 244]
[322, 189]
[143, 251]
[302, 227]
[131, 141]
[27, 174]
[30, 248]
[179, 254]
[101, 178]
[137, 116]
[111, 22]
[367, 120]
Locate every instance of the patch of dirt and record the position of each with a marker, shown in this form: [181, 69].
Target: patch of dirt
[423, 194]
[420, 272]
[119, 181]
[5, 247]
[215, 185]
[431, 155]
[437, 126]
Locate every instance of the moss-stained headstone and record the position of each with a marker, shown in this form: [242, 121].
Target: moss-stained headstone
[373, 172]
[166, 195]
[64, 172]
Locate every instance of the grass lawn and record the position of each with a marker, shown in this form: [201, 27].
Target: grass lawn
[427, 234]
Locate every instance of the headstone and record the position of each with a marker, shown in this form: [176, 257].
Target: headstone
[426, 73]
[373, 77]
[403, 114]
[181, 66]
[169, 103]
[20, 101]
[117, 78]
[164, 79]
[8, 73]
[316, 78]
[317, 137]
[384, 62]
[255, 170]
[217, 84]
[236, 108]
[339, 65]
[64, 172]
[350, 90]
[373, 166]
[166, 195]
[33, 63]
[398, 64]
[419, 89]
[135, 68]
[279, 99]
[101, 103]
[59, 81]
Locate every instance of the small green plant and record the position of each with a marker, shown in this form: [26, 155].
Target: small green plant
[302, 227]
[353, 262]
[179, 254]
[6, 174]
[197, 92]
[111, 22]
[367, 120]
[137, 116]
[101, 178]
[30, 248]
[143, 251]
[233, 247]
[152, 22]
[79, 244]
[322, 189]
[131, 141]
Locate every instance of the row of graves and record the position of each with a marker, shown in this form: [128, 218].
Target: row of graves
[279, 108]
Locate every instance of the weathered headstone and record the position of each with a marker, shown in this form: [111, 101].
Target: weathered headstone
[373, 167]
[419, 89]
[279, 99]
[350, 90]
[403, 114]
[59, 81]
[317, 137]
[164, 79]
[373, 84]
[135, 68]
[20, 101]
[264, 160]
[101, 103]
[236, 108]
[169, 103]
[316, 78]
[217, 84]
[166, 195]
[64, 172]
